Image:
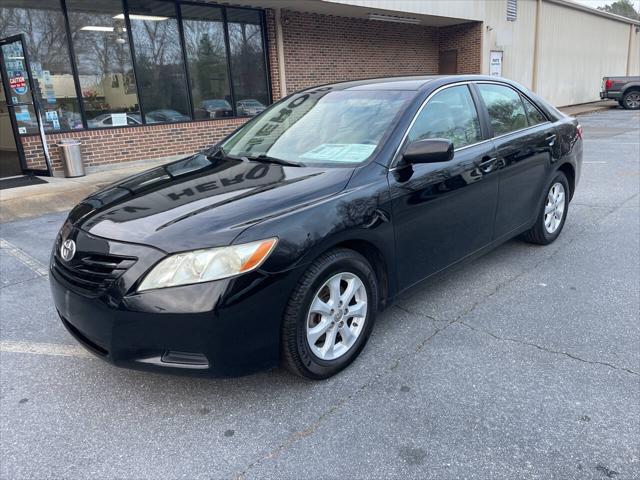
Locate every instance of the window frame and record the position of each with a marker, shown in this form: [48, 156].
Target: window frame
[474, 102]
[524, 99]
[181, 41]
[521, 96]
[480, 109]
[483, 116]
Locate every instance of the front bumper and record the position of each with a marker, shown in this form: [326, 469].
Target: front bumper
[222, 328]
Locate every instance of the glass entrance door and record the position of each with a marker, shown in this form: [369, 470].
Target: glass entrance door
[9, 157]
[20, 108]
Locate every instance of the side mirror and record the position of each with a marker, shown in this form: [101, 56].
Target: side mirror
[431, 150]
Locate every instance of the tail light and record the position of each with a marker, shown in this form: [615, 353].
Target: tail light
[579, 131]
[608, 84]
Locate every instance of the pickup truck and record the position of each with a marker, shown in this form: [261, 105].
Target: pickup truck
[626, 90]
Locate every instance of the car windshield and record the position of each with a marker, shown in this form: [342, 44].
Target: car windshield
[322, 126]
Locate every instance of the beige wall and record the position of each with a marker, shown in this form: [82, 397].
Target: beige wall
[575, 49]
[515, 39]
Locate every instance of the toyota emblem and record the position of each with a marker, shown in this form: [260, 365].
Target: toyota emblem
[68, 250]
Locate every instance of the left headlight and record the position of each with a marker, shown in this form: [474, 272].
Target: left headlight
[206, 265]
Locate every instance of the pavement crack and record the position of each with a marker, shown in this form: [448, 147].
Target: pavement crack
[406, 310]
[546, 349]
[396, 362]
[317, 423]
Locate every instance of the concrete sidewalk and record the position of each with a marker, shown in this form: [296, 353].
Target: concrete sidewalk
[584, 108]
[61, 194]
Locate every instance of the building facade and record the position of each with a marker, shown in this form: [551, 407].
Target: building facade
[144, 79]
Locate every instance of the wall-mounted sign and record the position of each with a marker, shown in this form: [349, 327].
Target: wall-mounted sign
[118, 119]
[23, 115]
[49, 92]
[18, 83]
[495, 63]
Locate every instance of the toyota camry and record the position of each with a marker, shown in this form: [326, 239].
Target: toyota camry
[281, 243]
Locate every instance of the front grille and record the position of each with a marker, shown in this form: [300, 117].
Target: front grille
[91, 273]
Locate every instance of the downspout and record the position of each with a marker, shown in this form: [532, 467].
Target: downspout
[536, 34]
[280, 50]
[631, 26]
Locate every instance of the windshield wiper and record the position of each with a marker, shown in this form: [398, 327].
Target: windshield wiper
[278, 161]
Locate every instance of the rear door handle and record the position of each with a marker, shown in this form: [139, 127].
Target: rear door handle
[551, 139]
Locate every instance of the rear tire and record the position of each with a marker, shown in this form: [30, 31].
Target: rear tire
[552, 213]
[631, 100]
[320, 335]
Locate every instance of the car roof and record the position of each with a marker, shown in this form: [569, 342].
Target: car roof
[415, 83]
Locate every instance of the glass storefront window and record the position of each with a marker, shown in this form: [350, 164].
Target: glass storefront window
[248, 69]
[104, 65]
[42, 24]
[144, 83]
[207, 61]
[159, 63]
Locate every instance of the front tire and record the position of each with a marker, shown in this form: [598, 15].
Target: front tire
[552, 213]
[631, 100]
[330, 315]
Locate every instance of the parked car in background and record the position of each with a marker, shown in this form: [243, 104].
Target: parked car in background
[282, 242]
[165, 116]
[249, 107]
[214, 108]
[106, 120]
[626, 90]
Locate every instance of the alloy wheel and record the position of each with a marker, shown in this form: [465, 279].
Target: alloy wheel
[632, 100]
[336, 316]
[554, 207]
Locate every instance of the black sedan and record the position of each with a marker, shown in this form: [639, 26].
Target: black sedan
[281, 243]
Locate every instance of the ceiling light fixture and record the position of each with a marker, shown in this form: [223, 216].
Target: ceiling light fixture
[95, 28]
[394, 18]
[134, 16]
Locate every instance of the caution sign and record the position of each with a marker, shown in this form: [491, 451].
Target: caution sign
[18, 83]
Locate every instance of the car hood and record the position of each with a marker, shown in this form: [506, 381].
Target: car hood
[201, 202]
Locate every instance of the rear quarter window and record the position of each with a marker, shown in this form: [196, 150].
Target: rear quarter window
[534, 116]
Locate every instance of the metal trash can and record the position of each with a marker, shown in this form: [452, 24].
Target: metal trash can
[71, 158]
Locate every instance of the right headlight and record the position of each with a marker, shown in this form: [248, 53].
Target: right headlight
[209, 264]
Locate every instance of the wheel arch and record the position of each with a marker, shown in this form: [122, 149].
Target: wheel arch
[373, 253]
[375, 257]
[570, 172]
[630, 88]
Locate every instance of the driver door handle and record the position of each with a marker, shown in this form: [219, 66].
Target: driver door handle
[487, 163]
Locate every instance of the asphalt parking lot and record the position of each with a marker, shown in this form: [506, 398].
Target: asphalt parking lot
[523, 364]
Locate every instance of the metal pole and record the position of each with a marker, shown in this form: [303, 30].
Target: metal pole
[534, 73]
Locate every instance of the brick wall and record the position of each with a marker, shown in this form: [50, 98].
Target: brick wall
[318, 49]
[324, 48]
[117, 145]
[467, 40]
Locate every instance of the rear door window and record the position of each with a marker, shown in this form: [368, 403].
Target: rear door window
[450, 114]
[506, 111]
